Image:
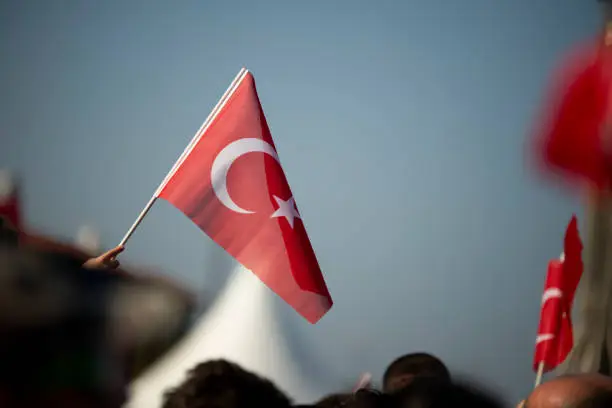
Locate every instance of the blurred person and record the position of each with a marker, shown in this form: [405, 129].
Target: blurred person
[140, 293]
[8, 235]
[65, 330]
[572, 391]
[368, 398]
[403, 370]
[53, 333]
[108, 260]
[339, 399]
[333, 400]
[223, 384]
[434, 392]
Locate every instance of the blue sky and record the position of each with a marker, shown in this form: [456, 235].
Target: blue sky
[401, 127]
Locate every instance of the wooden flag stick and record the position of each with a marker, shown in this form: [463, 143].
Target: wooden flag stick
[363, 382]
[213, 114]
[539, 375]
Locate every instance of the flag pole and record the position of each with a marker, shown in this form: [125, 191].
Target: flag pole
[539, 375]
[363, 382]
[213, 114]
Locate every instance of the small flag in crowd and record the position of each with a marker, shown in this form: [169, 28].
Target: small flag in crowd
[230, 183]
[364, 381]
[555, 336]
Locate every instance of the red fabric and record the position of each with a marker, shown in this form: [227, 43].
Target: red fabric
[262, 240]
[555, 336]
[569, 138]
[10, 211]
[572, 262]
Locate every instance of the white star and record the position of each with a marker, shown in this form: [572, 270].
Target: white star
[286, 209]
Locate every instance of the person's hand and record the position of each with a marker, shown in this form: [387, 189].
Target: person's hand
[107, 260]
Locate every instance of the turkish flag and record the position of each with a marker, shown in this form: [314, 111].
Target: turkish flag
[555, 337]
[576, 118]
[230, 183]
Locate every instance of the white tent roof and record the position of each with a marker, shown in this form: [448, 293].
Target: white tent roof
[241, 327]
[88, 240]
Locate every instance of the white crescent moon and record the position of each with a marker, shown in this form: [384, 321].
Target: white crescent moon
[544, 337]
[551, 293]
[224, 160]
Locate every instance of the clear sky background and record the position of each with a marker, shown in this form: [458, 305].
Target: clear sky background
[400, 124]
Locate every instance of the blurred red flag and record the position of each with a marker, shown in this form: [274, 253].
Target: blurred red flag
[571, 132]
[10, 210]
[230, 183]
[555, 337]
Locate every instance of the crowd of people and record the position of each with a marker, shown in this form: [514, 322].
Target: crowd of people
[416, 380]
[55, 352]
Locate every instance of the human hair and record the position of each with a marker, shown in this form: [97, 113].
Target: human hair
[575, 391]
[403, 369]
[600, 398]
[333, 400]
[8, 235]
[431, 392]
[223, 384]
[36, 288]
[368, 398]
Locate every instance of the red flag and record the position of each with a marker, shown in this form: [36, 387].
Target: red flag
[572, 260]
[555, 336]
[10, 211]
[230, 184]
[570, 139]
